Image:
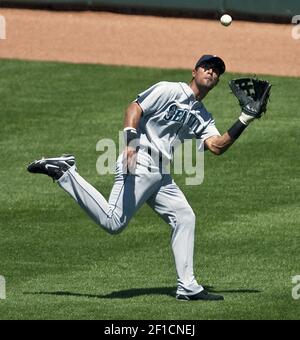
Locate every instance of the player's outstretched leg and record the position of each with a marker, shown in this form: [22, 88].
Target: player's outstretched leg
[52, 167]
[63, 171]
[128, 194]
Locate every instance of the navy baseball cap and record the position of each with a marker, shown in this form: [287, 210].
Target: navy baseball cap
[215, 60]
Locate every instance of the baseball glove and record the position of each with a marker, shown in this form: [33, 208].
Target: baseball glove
[253, 95]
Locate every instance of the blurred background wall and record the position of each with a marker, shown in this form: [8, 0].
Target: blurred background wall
[257, 10]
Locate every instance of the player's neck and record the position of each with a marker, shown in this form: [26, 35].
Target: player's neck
[199, 92]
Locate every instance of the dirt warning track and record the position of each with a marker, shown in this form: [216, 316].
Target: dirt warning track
[116, 39]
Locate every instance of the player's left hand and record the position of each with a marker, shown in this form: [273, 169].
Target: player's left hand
[253, 96]
[129, 160]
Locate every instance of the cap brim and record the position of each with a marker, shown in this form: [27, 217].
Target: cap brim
[217, 61]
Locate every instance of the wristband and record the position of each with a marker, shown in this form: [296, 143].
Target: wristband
[131, 137]
[236, 130]
[246, 119]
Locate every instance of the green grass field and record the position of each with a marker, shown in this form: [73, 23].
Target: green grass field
[59, 265]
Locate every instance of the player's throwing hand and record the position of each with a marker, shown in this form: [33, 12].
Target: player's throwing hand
[129, 160]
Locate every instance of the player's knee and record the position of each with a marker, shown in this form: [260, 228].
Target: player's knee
[114, 225]
[185, 218]
[114, 231]
[189, 218]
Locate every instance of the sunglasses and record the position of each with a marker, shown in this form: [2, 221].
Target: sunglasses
[209, 66]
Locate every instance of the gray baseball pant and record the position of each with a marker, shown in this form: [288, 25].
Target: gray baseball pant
[129, 193]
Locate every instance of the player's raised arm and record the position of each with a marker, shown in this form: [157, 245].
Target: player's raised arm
[253, 95]
[219, 144]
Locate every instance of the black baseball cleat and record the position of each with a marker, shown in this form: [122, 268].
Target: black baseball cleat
[52, 167]
[204, 295]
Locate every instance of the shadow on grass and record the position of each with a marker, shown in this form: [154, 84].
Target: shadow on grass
[122, 294]
[135, 292]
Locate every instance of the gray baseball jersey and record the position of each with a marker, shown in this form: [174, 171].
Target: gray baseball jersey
[171, 114]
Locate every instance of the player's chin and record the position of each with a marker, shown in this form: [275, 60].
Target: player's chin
[210, 84]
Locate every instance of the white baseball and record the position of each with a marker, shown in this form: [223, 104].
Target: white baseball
[226, 20]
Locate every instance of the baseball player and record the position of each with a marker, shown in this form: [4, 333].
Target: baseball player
[161, 116]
